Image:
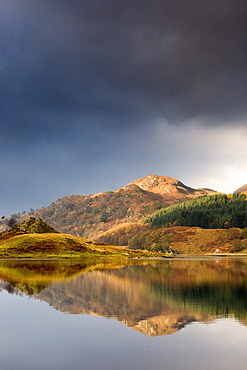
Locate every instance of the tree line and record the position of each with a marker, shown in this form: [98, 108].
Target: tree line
[211, 212]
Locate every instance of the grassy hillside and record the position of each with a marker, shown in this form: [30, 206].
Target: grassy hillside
[31, 240]
[212, 212]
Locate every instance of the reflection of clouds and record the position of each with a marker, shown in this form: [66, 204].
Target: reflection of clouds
[220, 345]
[31, 328]
[231, 329]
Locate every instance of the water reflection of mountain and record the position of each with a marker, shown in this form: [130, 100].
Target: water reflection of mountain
[155, 298]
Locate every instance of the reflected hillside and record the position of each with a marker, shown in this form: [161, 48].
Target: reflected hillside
[32, 276]
[153, 297]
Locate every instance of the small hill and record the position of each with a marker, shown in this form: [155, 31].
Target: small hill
[33, 225]
[35, 239]
[90, 216]
[29, 226]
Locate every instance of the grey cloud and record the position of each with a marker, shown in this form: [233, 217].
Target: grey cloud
[91, 79]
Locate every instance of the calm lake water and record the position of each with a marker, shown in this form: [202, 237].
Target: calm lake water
[143, 314]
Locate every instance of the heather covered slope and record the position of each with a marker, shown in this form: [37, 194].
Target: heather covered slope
[201, 225]
[180, 239]
[90, 216]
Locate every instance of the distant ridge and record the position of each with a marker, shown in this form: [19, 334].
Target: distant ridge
[243, 189]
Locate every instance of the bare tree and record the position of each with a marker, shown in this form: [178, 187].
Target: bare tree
[11, 222]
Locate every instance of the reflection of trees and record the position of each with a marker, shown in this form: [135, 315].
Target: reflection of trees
[210, 299]
[173, 291]
[157, 297]
[208, 288]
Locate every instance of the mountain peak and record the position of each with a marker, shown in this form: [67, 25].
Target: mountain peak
[163, 185]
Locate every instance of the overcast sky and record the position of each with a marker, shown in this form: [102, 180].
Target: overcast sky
[95, 94]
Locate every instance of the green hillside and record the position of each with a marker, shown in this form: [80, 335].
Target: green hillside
[34, 238]
[212, 212]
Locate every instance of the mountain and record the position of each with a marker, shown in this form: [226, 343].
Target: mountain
[90, 216]
[243, 189]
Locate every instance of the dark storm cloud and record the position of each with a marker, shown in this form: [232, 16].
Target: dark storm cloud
[115, 59]
[99, 87]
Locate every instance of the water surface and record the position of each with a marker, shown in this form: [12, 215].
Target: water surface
[141, 314]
